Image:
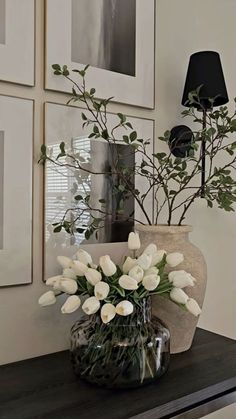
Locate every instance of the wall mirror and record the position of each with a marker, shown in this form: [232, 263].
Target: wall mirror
[64, 184]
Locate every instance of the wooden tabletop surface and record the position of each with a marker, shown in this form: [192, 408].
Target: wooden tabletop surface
[46, 387]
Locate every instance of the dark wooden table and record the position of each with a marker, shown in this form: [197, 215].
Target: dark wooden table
[199, 381]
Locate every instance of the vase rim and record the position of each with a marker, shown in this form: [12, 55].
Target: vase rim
[164, 228]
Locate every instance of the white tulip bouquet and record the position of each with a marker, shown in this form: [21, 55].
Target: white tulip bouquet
[116, 290]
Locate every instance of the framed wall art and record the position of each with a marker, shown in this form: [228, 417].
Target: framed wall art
[17, 41]
[63, 184]
[116, 37]
[16, 161]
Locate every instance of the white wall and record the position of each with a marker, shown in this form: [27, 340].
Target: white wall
[183, 27]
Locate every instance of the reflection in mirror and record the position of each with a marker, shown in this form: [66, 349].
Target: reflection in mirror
[1, 185]
[107, 198]
[2, 21]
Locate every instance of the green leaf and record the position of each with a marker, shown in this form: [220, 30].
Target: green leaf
[129, 125]
[126, 139]
[133, 136]
[78, 198]
[159, 156]
[57, 229]
[87, 234]
[84, 117]
[95, 129]
[43, 149]
[92, 91]
[102, 201]
[122, 117]
[56, 67]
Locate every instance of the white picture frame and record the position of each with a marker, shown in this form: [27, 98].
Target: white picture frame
[63, 123]
[136, 89]
[17, 41]
[16, 162]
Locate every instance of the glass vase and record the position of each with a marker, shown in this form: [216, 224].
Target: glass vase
[127, 352]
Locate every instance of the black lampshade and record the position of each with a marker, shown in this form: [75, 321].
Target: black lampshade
[205, 69]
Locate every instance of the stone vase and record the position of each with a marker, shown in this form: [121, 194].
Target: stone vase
[181, 324]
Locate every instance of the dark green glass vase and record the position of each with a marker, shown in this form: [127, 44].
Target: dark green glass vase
[128, 352]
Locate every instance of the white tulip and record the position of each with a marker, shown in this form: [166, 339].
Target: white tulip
[91, 305]
[101, 290]
[151, 271]
[71, 304]
[84, 257]
[124, 308]
[144, 261]
[174, 259]
[47, 299]
[129, 264]
[108, 267]
[193, 307]
[128, 283]
[157, 257]
[51, 281]
[93, 276]
[64, 261]
[181, 279]
[178, 296]
[136, 273]
[69, 273]
[150, 249]
[108, 312]
[134, 241]
[79, 268]
[172, 274]
[151, 282]
[67, 285]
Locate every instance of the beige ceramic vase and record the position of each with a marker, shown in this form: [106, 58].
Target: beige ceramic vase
[182, 325]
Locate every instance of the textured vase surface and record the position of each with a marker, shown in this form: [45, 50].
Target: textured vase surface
[181, 324]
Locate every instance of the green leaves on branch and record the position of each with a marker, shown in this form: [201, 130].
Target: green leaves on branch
[174, 182]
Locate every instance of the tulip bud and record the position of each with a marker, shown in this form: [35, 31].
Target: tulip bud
[101, 290]
[193, 307]
[51, 281]
[69, 273]
[134, 241]
[181, 279]
[79, 268]
[152, 271]
[150, 249]
[71, 304]
[91, 305]
[174, 259]
[129, 264]
[47, 299]
[144, 261]
[108, 267]
[84, 257]
[157, 257]
[178, 296]
[128, 283]
[67, 285]
[124, 308]
[64, 261]
[93, 276]
[151, 282]
[108, 312]
[136, 273]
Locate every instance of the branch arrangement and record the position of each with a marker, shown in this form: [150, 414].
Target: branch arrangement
[175, 182]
